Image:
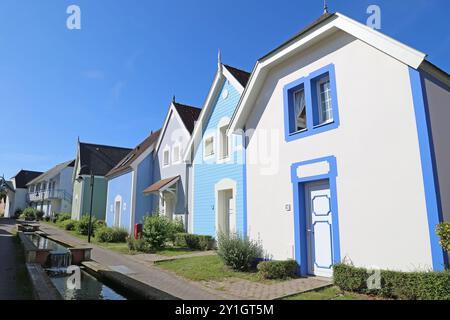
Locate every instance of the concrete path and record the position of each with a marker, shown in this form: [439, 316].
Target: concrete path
[10, 288]
[148, 274]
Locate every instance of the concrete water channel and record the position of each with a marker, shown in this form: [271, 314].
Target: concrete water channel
[49, 264]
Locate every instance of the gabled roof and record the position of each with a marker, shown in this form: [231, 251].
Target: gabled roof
[240, 75]
[188, 115]
[25, 176]
[99, 158]
[125, 164]
[239, 80]
[52, 172]
[326, 25]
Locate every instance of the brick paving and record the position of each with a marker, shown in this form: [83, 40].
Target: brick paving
[261, 291]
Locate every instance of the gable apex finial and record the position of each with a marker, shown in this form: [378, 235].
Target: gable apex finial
[325, 7]
[174, 99]
[219, 59]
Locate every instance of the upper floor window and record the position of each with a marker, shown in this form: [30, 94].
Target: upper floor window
[176, 154]
[224, 149]
[209, 147]
[300, 109]
[310, 104]
[166, 157]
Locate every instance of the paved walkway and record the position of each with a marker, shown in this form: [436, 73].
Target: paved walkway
[150, 275]
[260, 291]
[9, 285]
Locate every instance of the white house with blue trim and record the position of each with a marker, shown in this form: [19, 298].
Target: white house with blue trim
[358, 168]
[127, 204]
[218, 183]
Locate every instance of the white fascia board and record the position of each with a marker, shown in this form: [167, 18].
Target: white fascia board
[389, 46]
[199, 124]
[163, 130]
[172, 110]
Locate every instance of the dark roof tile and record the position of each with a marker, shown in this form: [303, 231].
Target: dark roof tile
[125, 163]
[188, 114]
[240, 75]
[99, 158]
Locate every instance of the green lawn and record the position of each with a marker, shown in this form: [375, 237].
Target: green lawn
[330, 293]
[205, 268]
[123, 247]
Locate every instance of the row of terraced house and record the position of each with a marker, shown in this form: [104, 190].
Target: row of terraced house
[334, 147]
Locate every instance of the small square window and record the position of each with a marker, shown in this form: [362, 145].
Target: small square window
[166, 158]
[310, 104]
[209, 147]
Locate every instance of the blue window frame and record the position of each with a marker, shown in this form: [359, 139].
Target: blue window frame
[310, 104]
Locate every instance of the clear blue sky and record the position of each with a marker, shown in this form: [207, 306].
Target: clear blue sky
[112, 81]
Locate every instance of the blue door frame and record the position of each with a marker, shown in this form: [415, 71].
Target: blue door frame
[300, 222]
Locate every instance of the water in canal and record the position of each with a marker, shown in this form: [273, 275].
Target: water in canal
[91, 289]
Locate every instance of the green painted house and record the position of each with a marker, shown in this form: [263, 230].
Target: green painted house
[97, 160]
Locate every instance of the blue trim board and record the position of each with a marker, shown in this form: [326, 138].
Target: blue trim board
[428, 168]
[308, 83]
[300, 225]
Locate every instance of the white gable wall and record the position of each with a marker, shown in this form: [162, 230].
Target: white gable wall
[381, 203]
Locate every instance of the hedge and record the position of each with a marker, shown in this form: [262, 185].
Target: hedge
[194, 241]
[395, 284]
[111, 235]
[278, 269]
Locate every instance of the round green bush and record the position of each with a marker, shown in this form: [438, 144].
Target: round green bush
[139, 245]
[69, 225]
[239, 253]
[82, 226]
[157, 230]
[443, 231]
[63, 217]
[29, 214]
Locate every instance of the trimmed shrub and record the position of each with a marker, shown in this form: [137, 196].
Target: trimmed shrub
[176, 226]
[278, 269]
[17, 213]
[63, 217]
[180, 240]
[69, 225]
[394, 284]
[199, 242]
[239, 253]
[47, 219]
[111, 235]
[29, 214]
[156, 231]
[101, 224]
[39, 215]
[139, 245]
[443, 231]
[82, 226]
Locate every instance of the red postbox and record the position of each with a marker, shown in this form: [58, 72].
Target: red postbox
[137, 230]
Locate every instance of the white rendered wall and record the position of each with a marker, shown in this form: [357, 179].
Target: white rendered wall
[382, 212]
